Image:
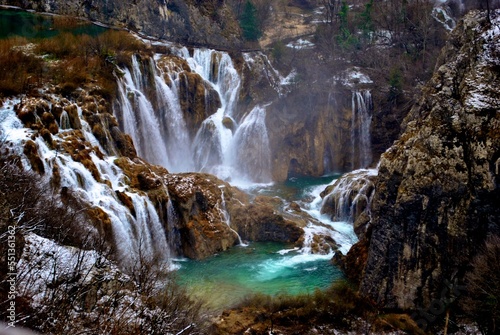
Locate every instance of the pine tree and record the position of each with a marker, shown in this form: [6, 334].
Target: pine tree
[249, 23]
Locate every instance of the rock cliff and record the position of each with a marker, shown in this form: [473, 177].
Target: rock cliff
[438, 186]
[208, 23]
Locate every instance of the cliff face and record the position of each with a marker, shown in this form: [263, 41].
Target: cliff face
[438, 186]
[211, 23]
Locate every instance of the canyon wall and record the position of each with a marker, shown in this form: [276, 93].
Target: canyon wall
[437, 191]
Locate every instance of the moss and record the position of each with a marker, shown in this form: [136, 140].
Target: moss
[31, 151]
[127, 201]
[46, 135]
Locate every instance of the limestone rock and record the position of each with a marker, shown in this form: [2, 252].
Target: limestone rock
[438, 192]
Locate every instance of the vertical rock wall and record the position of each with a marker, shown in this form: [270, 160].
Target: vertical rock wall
[438, 190]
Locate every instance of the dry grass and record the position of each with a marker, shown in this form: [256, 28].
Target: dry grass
[19, 71]
[339, 305]
[67, 61]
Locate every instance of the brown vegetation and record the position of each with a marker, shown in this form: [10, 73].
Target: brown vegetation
[339, 307]
[67, 60]
[19, 71]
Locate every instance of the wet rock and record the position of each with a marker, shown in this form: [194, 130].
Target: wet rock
[74, 119]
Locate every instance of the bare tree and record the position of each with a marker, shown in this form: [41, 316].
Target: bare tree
[331, 10]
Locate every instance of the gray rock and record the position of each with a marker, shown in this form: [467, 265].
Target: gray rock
[437, 192]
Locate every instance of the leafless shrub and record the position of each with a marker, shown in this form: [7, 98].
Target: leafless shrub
[482, 301]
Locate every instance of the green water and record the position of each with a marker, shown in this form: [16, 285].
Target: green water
[30, 25]
[223, 280]
[296, 188]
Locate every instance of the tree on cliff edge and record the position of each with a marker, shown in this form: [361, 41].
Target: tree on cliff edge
[249, 23]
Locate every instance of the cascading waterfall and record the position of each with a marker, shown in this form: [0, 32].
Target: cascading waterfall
[138, 234]
[250, 153]
[225, 217]
[139, 120]
[361, 155]
[350, 195]
[173, 125]
[161, 135]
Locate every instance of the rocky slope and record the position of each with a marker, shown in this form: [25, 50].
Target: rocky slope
[437, 192]
[208, 23]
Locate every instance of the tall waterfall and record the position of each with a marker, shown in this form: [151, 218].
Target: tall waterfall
[151, 112]
[361, 155]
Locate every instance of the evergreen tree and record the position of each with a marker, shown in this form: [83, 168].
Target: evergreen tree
[249, 22]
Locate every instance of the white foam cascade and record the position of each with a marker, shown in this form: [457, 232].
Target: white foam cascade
[350, 195]
[250, 153]
[361, 154]
[159, 128]
[226, 218]
[137, 233]
[138, 118]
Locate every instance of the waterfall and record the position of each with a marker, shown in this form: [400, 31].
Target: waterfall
[350, 196]
[137, 230]
[172, 121]
[64, 121]
[150, 111]
[226, 218]
[138, 118]
[361, 155]
[173, 234]
[250, 152]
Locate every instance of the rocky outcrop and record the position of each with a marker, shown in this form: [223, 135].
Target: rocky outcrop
[210, 23]
[349, 199]
[438, 191]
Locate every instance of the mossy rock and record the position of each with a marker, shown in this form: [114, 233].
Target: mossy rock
[74, 119]
[31, 151]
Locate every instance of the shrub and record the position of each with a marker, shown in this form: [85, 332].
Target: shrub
[338, 305]
[482, 302]
[19, 72]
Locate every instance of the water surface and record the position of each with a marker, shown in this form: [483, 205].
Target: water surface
[32, 25]
[268, 267]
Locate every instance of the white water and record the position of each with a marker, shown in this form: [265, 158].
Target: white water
[138, 235]
[235, 150]
[361, 155]
[351, 190]
[341, 230]
[226, 218]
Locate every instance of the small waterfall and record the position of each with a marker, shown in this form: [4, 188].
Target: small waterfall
[64, 121]
[350, 196]
[361, 155]
[250, 152]
[173, 234]
[225, 217]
